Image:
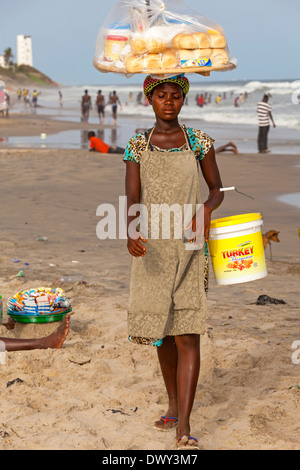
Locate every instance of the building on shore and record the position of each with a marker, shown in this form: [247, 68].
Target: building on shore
[2, 62]
[24, 50]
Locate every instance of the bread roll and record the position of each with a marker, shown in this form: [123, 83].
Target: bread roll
[138, 46]
[176, 40]
[219, 57]
[134, 63]
[152, 62]
[186, 54]
[217, 40]
[202, 53]
[185, 41]
[202, 39]
[154, 46]
[169, 59]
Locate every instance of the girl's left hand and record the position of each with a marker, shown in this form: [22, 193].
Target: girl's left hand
[200, 226]
[207, 221]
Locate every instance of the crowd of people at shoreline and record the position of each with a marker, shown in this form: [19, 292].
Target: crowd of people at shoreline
[100, 105]
[204, 99]
[263, 111]
[30, 99]
[263, 108]
[207, 98]
[101, 102]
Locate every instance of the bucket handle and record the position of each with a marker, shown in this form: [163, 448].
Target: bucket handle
[233, 188]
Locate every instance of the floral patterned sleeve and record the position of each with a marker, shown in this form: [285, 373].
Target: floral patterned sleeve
[136, 145]
[201, 143]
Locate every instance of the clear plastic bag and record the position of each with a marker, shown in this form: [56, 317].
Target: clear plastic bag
[160, 37]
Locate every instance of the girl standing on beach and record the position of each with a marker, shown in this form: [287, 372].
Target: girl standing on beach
[167, 301]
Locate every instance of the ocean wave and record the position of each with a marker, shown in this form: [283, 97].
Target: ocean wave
[244, 116]
[236, 87]
[285, 113]
[252, 87]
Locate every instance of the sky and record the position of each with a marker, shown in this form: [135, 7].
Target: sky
[264, 35]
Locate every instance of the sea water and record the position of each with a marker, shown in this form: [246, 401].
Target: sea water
[292, 199]
[286, 113]
[223, 121]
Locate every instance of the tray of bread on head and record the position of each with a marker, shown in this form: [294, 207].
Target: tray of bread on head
[156, 37]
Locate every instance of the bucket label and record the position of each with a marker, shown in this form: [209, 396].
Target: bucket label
[238, 259]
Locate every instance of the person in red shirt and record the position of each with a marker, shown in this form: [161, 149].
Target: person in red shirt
[97, 145]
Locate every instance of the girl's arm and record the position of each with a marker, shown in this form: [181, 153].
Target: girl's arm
[133, 189]
[212, 178]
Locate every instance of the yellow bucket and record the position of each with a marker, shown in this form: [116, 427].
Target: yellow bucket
[236, 249]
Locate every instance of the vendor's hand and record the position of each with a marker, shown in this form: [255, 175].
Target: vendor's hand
[134, 245]
[197, 227]
[200, 226]
[207, 222]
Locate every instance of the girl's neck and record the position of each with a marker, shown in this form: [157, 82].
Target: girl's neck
[167, 127]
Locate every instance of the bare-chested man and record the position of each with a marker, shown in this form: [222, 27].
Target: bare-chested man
[86, 105]
[100, 105]
[114, 101]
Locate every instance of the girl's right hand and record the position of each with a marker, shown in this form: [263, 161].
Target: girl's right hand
[134, 245]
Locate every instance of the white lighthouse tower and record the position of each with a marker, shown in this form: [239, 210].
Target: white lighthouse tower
[24, 50]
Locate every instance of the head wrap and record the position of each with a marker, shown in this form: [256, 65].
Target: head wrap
[152, 81]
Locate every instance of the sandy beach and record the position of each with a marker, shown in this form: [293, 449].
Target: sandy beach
[248, 395]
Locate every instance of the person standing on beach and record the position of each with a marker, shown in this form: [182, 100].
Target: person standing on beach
[264, 111]
[35, 95]
[60, 99]
[114, 101]
[100, 105]
[1, 99]
[200, 101]
[4, 103]
[86, 105]
[167, 300]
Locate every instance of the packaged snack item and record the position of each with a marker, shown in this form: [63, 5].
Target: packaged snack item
[117, 37]
[41, 305]
[160, 37]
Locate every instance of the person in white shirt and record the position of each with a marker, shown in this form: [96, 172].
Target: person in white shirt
[4, 103]
[264, 116]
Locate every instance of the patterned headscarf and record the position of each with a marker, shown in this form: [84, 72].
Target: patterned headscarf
[152, 81]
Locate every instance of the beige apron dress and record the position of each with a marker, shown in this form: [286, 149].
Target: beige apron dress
[167, 295]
